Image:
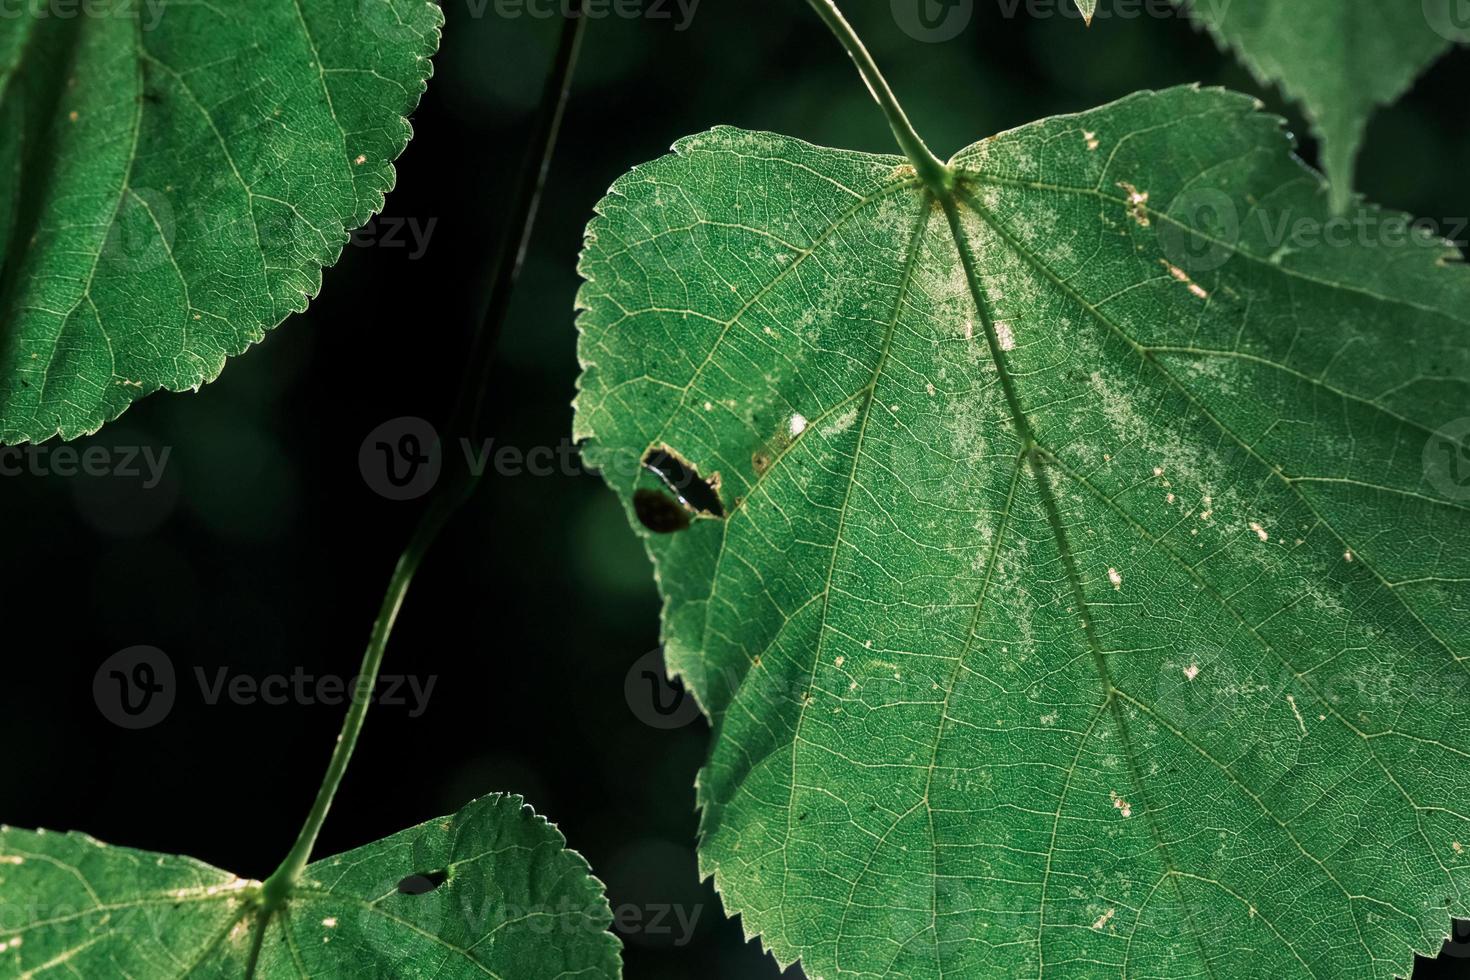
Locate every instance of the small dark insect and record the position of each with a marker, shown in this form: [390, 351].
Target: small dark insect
[419, 884]
[684, 482]
[659, 512]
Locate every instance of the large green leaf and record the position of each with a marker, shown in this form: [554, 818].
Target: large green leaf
[491, 891]
[174, 175]
[1091, 596]
[1341, 58]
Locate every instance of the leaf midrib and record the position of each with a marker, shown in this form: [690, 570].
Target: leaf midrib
[1146, 356]
[1035, 455]
[1069, 560]
[1029, 457]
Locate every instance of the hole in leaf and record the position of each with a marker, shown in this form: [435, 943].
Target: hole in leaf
[684, 481]
[422, 883]
[658, 512]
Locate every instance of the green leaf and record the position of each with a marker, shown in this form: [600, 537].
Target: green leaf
[1087, 8]
[490, 891]
[1341, 59]
[174, 176]
[1091, 593]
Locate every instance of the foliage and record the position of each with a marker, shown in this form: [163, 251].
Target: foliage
[178, 174]
[489, 891]
[1083, 602]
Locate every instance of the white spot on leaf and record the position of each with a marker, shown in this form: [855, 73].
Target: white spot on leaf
[1121, 805]
[1300, 723]
[1005, 336]
[838, 425]
[1137, 203]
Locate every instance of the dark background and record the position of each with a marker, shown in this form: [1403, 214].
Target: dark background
[264, 550]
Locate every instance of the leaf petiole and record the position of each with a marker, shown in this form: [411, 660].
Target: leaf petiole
[937, 175]
[460, 481]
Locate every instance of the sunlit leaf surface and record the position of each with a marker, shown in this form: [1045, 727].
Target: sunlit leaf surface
[490, 891]
[174, 175]
[1091, 593]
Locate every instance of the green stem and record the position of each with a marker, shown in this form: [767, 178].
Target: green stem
[460, 480]
[935, 173]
